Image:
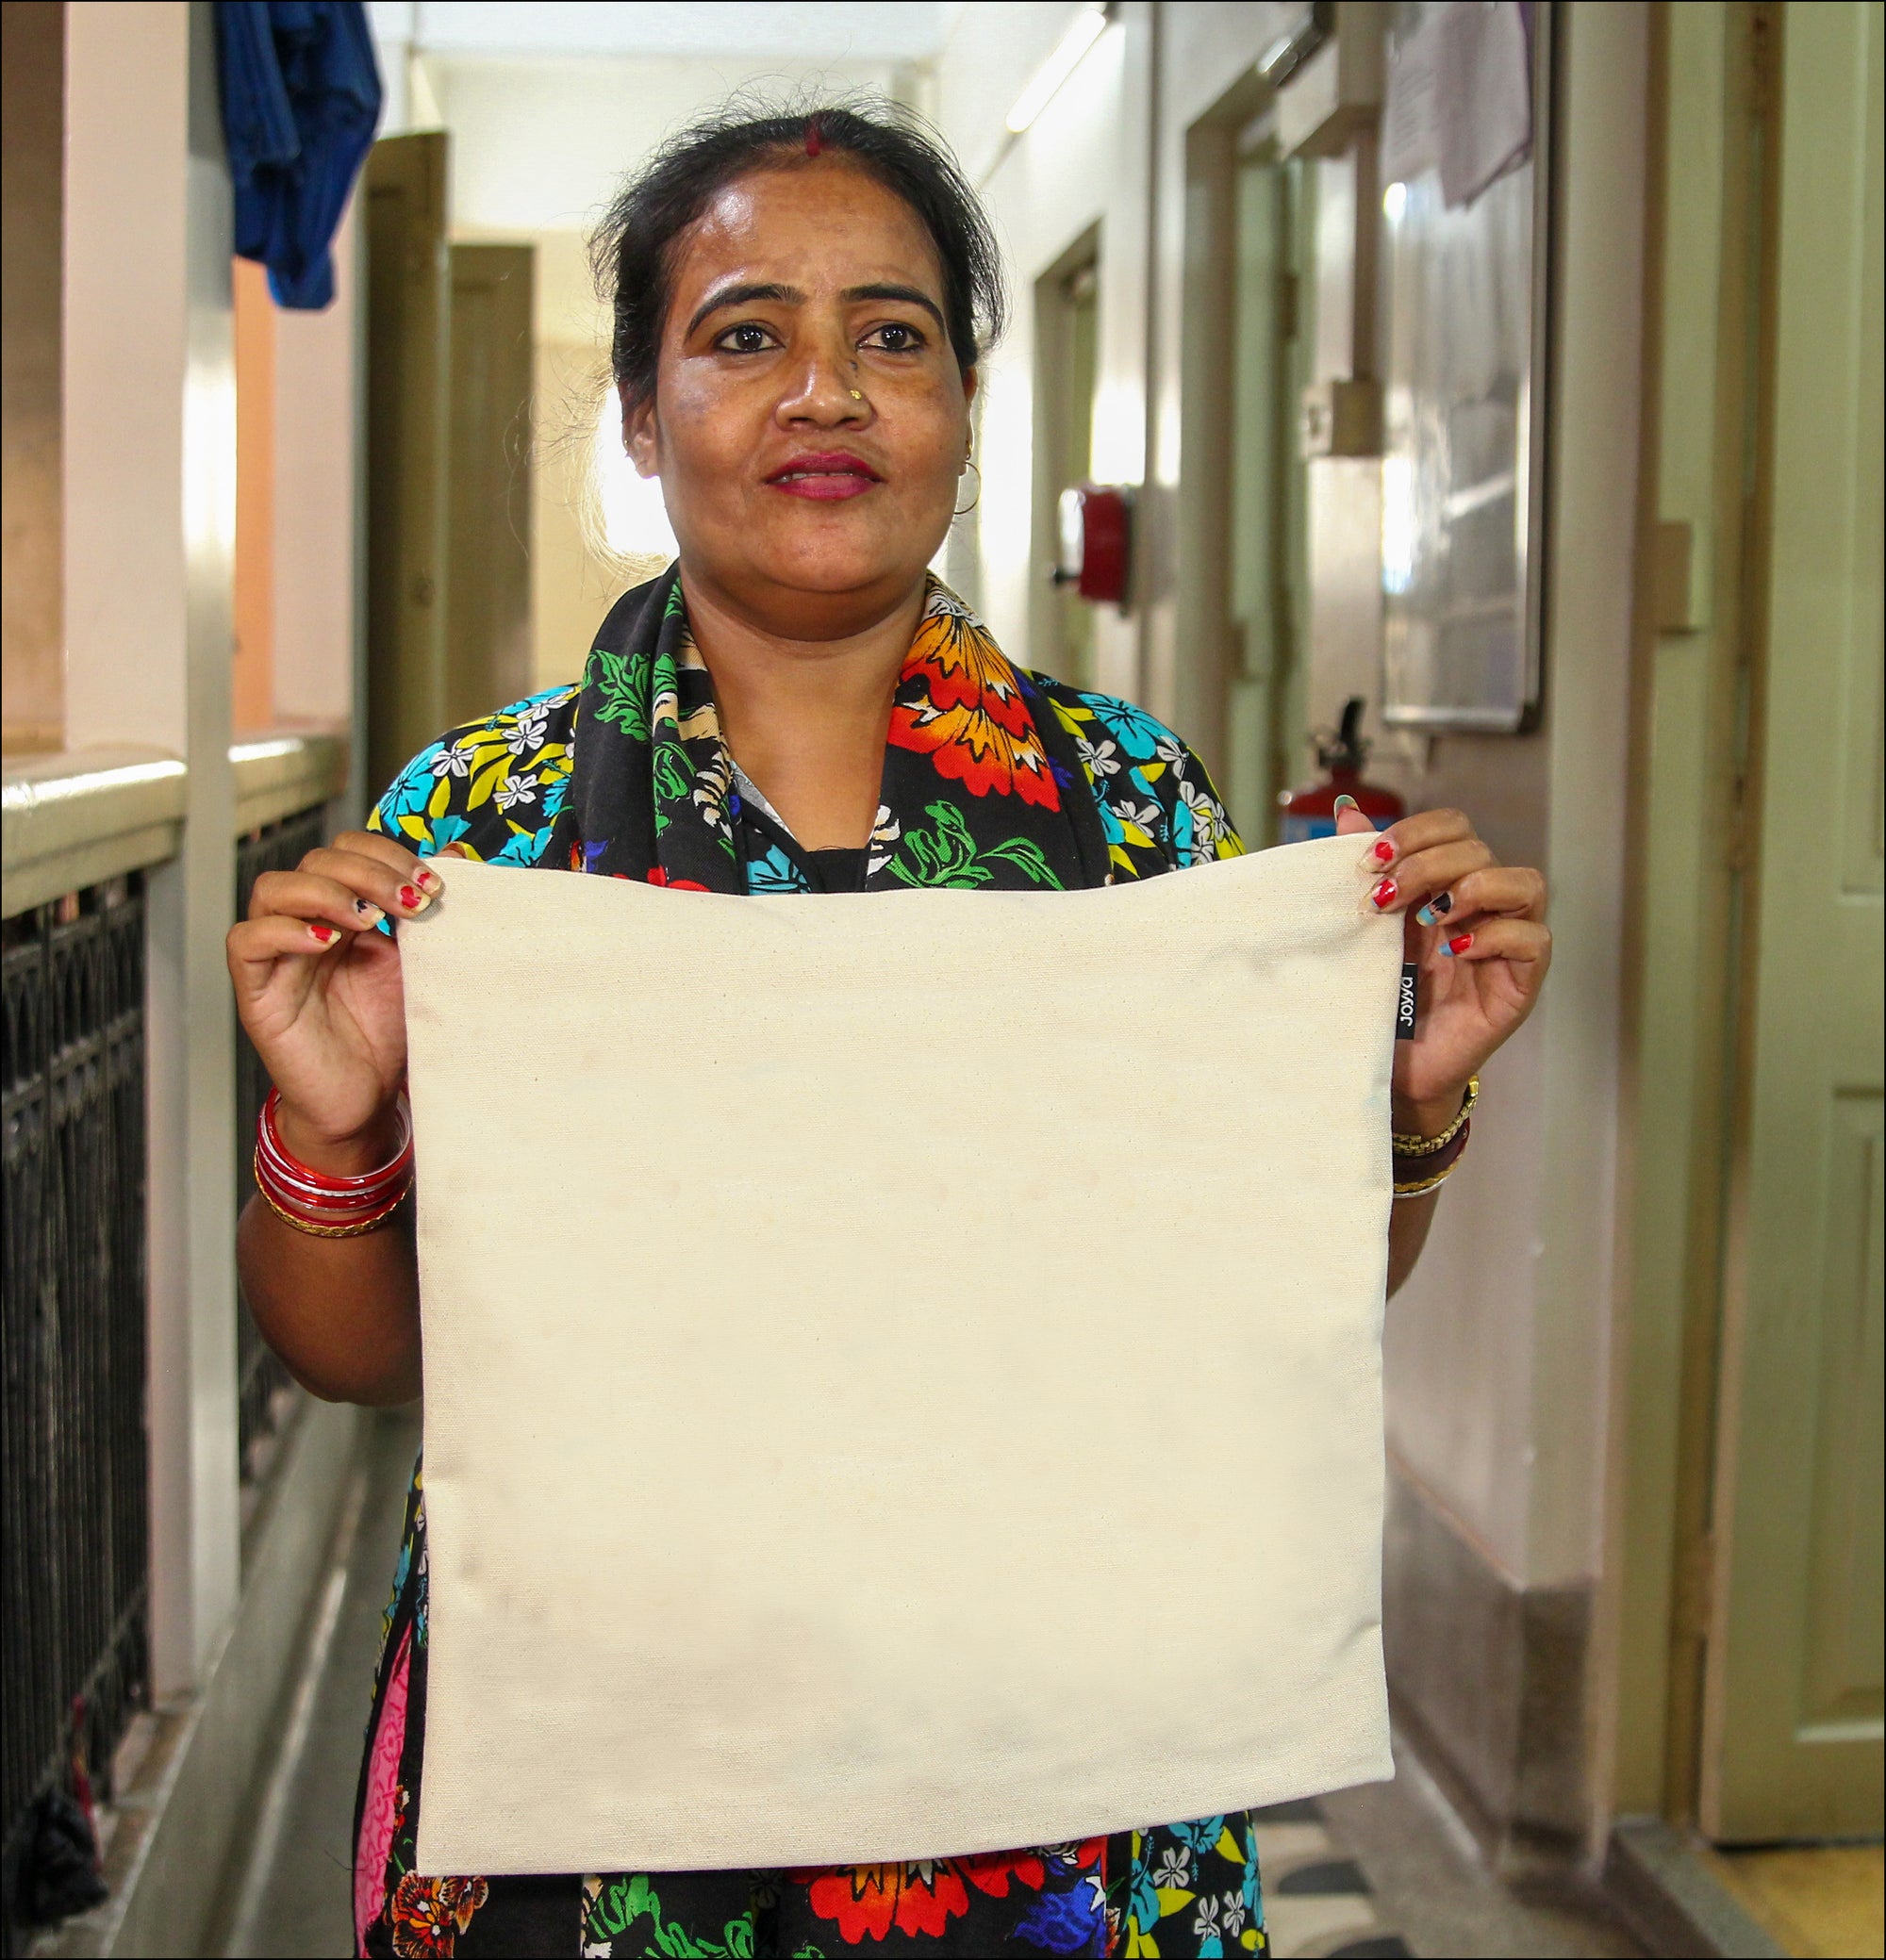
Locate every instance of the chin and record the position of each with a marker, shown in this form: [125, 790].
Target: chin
[839, 565]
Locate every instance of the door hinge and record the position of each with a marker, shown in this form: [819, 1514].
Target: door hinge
[1694, 1605]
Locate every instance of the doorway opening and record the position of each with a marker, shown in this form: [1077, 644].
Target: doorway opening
[1066, 360]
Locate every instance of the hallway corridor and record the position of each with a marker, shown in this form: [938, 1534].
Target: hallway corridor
[290, 1890]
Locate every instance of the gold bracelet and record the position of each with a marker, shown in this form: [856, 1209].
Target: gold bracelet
[1406, 1146]
[1422, 1186]
[330, 1232]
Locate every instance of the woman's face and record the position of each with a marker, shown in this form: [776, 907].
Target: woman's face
[809, 421]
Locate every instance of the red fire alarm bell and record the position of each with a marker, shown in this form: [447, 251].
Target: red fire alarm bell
[1096, 541]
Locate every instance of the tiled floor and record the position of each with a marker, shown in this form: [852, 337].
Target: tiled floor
[1388, 1869]
[1316, 1898]
[1434, 1892]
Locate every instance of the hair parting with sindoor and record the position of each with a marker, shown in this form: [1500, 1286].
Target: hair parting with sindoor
[634, 248]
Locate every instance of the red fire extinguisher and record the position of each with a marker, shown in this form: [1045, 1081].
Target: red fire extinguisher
[1311, 812]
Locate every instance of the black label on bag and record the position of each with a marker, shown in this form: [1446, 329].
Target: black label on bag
[1404, 1002]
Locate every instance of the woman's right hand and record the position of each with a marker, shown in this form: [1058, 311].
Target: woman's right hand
[318, 990]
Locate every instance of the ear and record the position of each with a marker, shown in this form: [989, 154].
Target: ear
[971, 377]
[639, 435]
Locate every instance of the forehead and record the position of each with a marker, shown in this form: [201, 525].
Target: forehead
[822, 225]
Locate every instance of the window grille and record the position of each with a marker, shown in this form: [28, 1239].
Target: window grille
[74, 1549]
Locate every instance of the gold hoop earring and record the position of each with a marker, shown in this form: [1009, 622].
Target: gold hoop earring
[971, 463]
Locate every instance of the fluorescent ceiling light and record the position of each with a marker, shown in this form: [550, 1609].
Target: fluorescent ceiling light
[1083, 31]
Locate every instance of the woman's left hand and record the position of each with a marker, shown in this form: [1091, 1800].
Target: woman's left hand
[1477, 929]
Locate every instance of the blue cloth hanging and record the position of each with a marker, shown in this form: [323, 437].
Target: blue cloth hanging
[301, 99]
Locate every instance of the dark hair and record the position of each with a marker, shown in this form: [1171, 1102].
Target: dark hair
[633, 250]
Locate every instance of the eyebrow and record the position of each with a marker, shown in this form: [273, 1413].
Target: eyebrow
[745, 293]
[908, 293]
[742, 295]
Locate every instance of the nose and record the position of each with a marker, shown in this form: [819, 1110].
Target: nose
[824, 391]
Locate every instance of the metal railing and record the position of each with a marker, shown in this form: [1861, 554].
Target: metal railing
[263, 1385]
[81, 830]
[74, 1551]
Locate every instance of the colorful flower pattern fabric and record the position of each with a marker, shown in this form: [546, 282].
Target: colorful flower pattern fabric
[995, 778]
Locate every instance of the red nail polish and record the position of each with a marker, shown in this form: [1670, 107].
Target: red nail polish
[1384, 851]
[1383, 894]
[323, 934]
[409, 898]
[1460, 944]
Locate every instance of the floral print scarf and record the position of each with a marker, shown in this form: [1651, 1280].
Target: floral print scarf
[976, 788]
[994, 778]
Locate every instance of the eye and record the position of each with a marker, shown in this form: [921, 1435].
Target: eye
[750, 337]
[896, 337]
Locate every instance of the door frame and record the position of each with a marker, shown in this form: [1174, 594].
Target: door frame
[1054, 440]
[1699, 671]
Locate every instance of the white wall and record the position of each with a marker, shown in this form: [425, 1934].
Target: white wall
[539, 144]
[317, 460]
[994, 48]
[1082, 162]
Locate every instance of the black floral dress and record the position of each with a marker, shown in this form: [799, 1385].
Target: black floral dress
[995, 778]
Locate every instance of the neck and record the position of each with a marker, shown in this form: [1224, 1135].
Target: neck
[806, 719]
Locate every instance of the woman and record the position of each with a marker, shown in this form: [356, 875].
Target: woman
[799, 305]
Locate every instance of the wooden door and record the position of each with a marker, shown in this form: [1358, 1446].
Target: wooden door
[409, 357]
[488, 608]
[1793, 1696]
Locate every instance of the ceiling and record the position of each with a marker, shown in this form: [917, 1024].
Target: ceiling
[857, 30]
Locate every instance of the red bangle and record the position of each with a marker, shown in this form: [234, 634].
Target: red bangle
[316, 1201]
[1415, 1175]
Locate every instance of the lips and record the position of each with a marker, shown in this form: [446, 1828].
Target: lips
[826, 476]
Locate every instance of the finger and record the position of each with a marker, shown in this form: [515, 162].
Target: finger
[259, 943]
[310, 895]
[374, 883]
[1524, 942]
[388, 851]
[1418, 877]
[1426, 829]
[394, 889]
[1514, 891]
[1350, 822]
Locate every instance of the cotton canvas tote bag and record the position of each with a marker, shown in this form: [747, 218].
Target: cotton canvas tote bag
[810, 1478]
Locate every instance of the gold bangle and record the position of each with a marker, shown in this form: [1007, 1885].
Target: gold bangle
[329, 1231]
[1406, 1146]
[1423, 1185]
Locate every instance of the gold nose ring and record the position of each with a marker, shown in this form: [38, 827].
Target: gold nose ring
[857, 395]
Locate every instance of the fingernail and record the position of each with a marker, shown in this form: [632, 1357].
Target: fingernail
[368, 911]
[430, 880]
[1383, 895]
[1458, 945]
[322, 934]
[1346, 803]
[411, 899]
[1436, 909]
[1384, 851]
